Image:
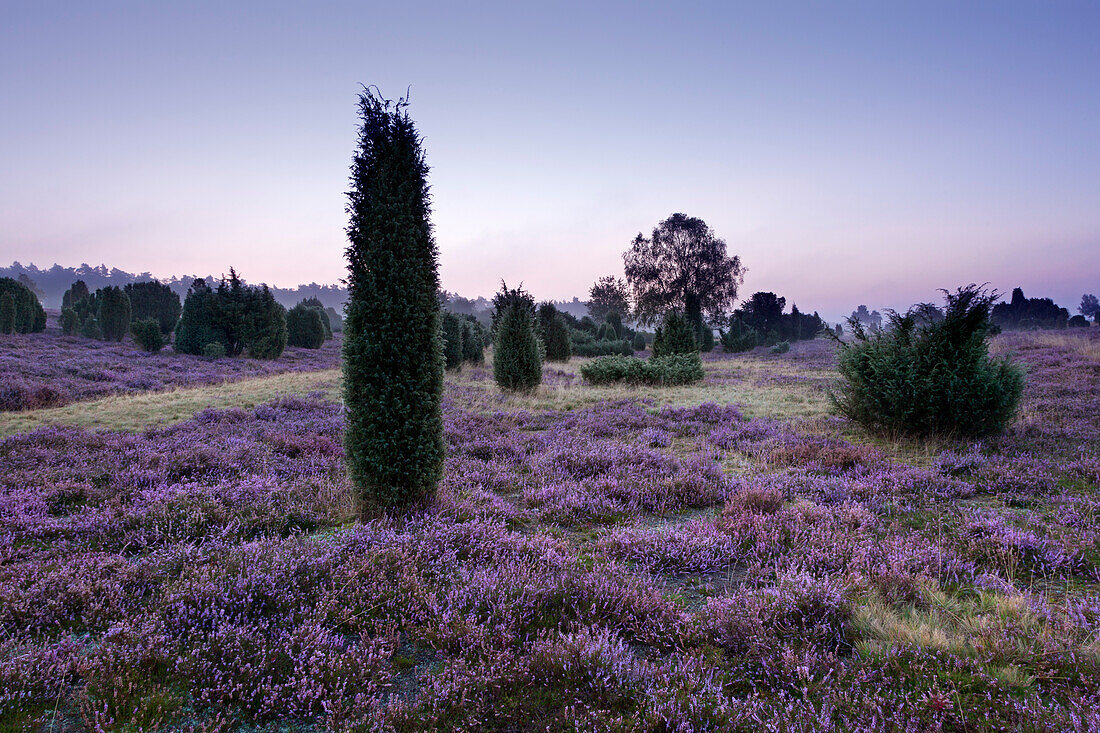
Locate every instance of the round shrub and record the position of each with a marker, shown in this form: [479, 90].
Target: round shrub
[304, 327]
[147, 335]
[920, 378]
[264, 331]
[516, 362]
[213, 350]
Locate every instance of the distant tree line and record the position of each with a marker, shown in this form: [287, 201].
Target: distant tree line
[1023, 313]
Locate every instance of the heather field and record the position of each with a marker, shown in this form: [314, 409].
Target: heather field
[722, 556]
[51, 370]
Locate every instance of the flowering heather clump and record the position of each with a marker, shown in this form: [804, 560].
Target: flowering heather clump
[618, 566]
[49, 370]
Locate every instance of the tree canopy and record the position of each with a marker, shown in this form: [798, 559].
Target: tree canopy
[682, 265]
[608, 295]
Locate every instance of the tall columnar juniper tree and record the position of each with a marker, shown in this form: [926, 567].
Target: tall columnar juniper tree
[114, 312]
[452, 341]
[393, 356]
[517, 361]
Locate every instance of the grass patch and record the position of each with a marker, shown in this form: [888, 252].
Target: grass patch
[157, 409]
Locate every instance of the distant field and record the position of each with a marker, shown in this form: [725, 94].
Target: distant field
[725, 556]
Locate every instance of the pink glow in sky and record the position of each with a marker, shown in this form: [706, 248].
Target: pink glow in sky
[849, 152]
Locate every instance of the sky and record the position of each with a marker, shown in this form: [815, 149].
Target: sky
[848, 152]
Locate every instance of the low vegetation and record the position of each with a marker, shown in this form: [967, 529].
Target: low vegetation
[657, 371]
[613, 564]
[925, 377]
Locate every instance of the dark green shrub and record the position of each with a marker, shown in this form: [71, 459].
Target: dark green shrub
[196, 328]
[558, 346]
[213, 350]
[264, 331]
[708, 340]
[739, 338]
[236, 315]
[674, 336]
[781, 348]
[90, 329]
[113, 312]
[316, 304]
[639, 342]
[517, 365]
[28, 316]
[154, 300]
[70, 322]
[544, 315]
[923, 379]
[473, 342]
[658, 371]
[615, 320]
[77, 292]
[147, 335]
[304, 327]
[393, 357]
[453, 350]
[1078, 322]
[7, 313]
[508, 297]
[77, 306]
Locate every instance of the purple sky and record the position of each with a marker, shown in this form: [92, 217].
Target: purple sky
[849, 152]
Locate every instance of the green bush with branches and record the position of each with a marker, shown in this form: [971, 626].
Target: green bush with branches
[147, 334]
[305, 327]
[922, 378]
